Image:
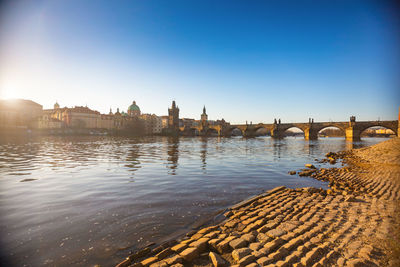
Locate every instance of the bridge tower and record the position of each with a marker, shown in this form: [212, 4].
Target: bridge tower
[352, 133]
[173, 119]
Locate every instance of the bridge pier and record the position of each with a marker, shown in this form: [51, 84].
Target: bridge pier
[249, 133]
[277, 133]
[310, 134]
[353, 134]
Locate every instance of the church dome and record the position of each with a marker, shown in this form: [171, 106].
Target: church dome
[134, 107]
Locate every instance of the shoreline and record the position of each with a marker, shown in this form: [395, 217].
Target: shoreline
[345, 225]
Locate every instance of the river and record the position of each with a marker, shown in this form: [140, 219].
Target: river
[86, 200]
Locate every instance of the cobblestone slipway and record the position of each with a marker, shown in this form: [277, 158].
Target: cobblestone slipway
[345, 225]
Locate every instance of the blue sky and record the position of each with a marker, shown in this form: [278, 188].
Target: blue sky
[244, 60]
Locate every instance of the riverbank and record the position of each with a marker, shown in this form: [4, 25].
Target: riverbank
[346, 225]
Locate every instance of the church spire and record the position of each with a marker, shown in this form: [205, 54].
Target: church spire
[204, 109]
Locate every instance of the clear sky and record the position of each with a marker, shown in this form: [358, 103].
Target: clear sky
[244, 60]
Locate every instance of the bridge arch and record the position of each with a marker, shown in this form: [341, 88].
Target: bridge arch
[377, 124]
[363, 131]
[262, 130]
[328, 125]
[333, 132]
[211, 132]
[289, 131]
[235, 131]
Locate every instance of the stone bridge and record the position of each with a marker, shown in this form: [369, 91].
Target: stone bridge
[351, 129]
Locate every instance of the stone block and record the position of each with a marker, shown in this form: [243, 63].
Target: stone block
[247, 260]
[174, 259]
[164, 253]
[217, 260]
[190, 253]
[200, 244]
[178, 248]
[149, 261]
[238, 243]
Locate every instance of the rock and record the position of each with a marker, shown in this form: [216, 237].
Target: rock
[258, 254]
[228, 213]
[255, 246]
[349, 198]
[149, 261]
[165, 253]
[264, 261]
[125, 263]
[223, 246]
[278, 255]
[240, 253]
[275, 233]
[213, 243]
[174, 259]
[211, 235]
[341, 261]
[306, 172]
[270, 246]
[310, 190]
[200, 244]
[238, 243]
[249, 238]
[178, 248]
[159, 264]
[292, 172]
[310, 166]
[196, 236]
[140, 254]
[190, 253]
[247, 260]
[207, 229]
[217, 260]
[310, 257]
[331, 154]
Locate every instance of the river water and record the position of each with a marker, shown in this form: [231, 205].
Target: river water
[89, 200]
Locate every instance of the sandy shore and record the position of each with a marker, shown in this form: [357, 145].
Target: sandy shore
[354, 223]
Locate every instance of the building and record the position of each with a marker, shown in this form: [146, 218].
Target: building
[164, 121]
[134, 110]
[152, 123]
[204, 116]
[19, 113]
[186, 122]
[85, 118]
[46, 121]
[173, 117]
[78, 117]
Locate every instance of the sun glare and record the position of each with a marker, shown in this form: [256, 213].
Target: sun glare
[7, 93]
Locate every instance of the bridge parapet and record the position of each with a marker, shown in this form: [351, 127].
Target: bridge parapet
[352, 128]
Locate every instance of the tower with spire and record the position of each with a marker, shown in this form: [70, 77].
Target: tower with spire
[204, 116]
[173, 117]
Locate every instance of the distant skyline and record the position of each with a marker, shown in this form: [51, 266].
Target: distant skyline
[243, 60]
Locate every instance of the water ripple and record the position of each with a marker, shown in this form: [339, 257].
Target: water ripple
[85, 200]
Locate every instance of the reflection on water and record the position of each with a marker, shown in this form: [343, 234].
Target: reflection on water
[132, 158]
[203, 153]
[89, 200]
[173, 154]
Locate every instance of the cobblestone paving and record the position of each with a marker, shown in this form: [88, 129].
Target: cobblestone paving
[340, 226]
